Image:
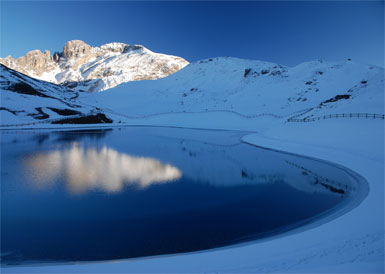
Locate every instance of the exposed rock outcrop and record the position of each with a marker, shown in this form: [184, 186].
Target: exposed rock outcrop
[34, 61]
[77, 53]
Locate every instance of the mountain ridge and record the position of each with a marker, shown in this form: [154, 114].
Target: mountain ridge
[85, 68]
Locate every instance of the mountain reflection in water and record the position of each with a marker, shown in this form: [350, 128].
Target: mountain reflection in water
[85, 169]
[224, 192]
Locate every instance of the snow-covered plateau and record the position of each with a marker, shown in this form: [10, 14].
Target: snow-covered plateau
[331, 111]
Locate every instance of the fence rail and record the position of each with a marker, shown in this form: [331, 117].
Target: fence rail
[293, 116]
[343, 115]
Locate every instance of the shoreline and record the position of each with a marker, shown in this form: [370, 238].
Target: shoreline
[352, 242]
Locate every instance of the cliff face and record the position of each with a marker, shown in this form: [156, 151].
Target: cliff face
[83, 67]
[34, 61]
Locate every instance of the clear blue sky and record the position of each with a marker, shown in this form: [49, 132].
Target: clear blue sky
[284, 32]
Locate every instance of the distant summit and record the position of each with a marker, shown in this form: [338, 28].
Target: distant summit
[83, 67]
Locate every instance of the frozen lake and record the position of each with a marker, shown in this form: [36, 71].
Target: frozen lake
[91, 195]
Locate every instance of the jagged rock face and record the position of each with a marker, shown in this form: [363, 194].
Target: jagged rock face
[34, 60]
[77, 53]
[76, 49]
[82, 67]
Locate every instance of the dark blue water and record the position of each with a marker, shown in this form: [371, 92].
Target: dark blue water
[89, 195]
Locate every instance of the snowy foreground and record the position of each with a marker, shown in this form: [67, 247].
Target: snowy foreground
[259, 97]
[353, 242]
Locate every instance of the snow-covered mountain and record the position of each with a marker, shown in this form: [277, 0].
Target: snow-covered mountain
[82, 67]
[229, 93]
[250, 89]
[27, 101]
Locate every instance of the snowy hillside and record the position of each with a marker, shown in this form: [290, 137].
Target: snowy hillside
[249, 90]
[82, 67]
[27, 101]
[225, 93]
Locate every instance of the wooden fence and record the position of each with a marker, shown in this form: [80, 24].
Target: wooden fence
[343, 115]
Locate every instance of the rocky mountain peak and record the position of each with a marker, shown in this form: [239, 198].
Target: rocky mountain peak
[34, 62]
[36, 58]
[76, 49]
[83, 67]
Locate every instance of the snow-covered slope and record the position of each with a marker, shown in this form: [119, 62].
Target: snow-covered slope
[82, 67]
[249, 90]
[234, 93]
[27, 101]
